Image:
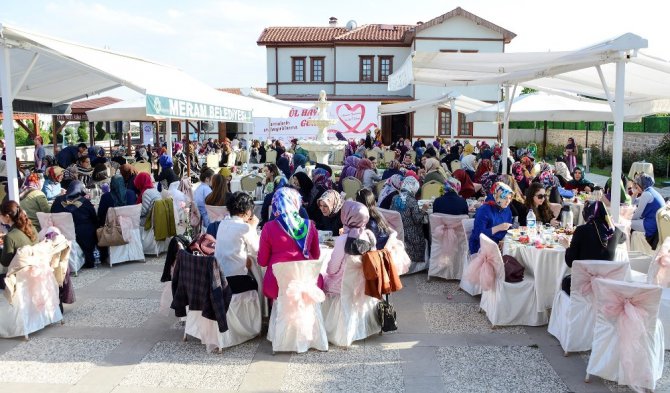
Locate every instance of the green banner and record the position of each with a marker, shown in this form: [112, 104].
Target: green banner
[180, 109]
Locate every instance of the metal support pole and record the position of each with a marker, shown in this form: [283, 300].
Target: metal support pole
[8, 125]
[454, 120]
[505, 135]
[617, 142]
[168, 135]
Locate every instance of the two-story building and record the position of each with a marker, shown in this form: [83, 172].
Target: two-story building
[352, 63]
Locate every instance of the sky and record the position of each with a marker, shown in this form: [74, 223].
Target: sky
[215, 40]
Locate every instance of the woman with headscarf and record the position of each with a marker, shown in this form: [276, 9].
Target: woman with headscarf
[579, 182]
[377, 224]
[284, 166]
[391, 189]
[288, 238]
[562, 173]
[623, 195]
[301, 182]
[450, 202]
[52, 187]
[84, 170]
[167, 175]
[299, 162]
[33, 199]
[596, 239]
[147, 194]
[321, 183]
[521, 175]
[554, 190]
[406, 204]
[117, 196]
[484, 168]
[452, 156]
[349, 169]
[469, 161]
[366, 173]
[518, 199]
[129, 172]
[327, 217]
[467, 187]
[571, 154]
[279, 182]
[644, 217]
[393, 169]
[85, 219]
[434, 171]
[493, 218]
[355, 241]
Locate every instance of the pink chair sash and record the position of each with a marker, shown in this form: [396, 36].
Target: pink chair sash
[481, 270]
[37, 284]
[662, 260]
[301, 296]
[635, 367]
[446, 231]
[583, 278]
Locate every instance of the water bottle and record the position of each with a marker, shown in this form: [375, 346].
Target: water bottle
[567, 217]
[531, 223]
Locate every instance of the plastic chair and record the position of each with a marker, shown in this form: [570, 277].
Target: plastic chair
[128, 217]
[351, 315]
[249, 183]
[573, 316]
[432, 189]
[350, 186]
[472, 288]
[449, 246]
[628, 337]
[663, 222]
[296, 322]
[143, 167]
[65, 224]
[394, 220]
[271, 156]
[504, 303]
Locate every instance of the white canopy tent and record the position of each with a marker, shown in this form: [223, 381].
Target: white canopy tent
[596, 71]
[36, 67]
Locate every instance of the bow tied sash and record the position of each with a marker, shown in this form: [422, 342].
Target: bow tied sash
[302, 295]
[481, 270]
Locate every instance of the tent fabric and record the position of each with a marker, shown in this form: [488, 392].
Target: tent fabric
[464, 104]
[540, 106]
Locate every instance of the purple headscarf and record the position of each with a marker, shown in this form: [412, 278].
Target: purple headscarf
[355, 217]
[350, 168]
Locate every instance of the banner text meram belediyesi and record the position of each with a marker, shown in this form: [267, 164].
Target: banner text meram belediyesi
[180, 108]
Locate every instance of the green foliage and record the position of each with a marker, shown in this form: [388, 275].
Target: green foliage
[528, 90]
[660, 123]
[21, 137]
[664, 147]
[82, 133]
[100, 132]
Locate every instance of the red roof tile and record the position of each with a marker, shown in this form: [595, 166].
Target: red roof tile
[299, 35]
[376, 33]
[93, 103]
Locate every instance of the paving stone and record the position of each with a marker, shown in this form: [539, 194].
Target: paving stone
[123, 313]
[87, 277]
[138, 281]
[458, 318]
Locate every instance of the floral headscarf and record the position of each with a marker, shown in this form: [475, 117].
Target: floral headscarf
[333, 200]
[563, 171]
[519, 172]
[392, 184]
[488, 180]
[511, 183]
[410, 186]
[548, 179]
[644, 181]
[501, 192]
[321, 178]
[485, 166]
[452, 185]
[527, 163]
[286, 204]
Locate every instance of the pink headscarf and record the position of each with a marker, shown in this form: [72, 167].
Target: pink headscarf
[363, 165]
[355, 217]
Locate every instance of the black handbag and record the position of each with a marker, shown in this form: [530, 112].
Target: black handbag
[513, 269]
[386, 315]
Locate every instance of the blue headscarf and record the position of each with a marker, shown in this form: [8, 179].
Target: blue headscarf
[644, 181]
[299, 161]
[118, 191]
[286, 204]
[165, 161]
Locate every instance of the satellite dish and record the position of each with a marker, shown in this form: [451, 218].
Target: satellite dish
[351, 25]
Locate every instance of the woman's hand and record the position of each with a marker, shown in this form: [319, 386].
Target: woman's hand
[501, 227]
[554, 222]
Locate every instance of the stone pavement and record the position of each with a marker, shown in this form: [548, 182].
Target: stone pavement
[113, 340]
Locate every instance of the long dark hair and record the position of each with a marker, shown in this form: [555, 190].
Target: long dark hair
[219, 191]
[367, 198]
[543, 211]
[20, 218]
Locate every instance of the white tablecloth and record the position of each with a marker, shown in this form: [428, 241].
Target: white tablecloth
[577, 209]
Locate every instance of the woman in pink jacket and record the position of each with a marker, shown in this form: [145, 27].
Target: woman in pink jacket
[287, 238]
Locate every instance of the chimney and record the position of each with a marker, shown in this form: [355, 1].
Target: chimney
[332, 21]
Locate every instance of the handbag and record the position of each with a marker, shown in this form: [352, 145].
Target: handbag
[204, 245]
[386, 315]
[110, 235]
[513, 269]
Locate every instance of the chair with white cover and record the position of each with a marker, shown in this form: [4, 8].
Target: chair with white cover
[389, 155]
[232, 158]
[212, 161]
[271, 156]
[350, 186]
[249, 183]
[65, 224]
[431, 190]
[449, 246]
[30, 301]
[455, 165]
[472, 288]
[216, 213]
[394, 220]
[663, 222]
[505, 303]
[659, 274]
[573, 316]
[150, 245]
[296, 322]
[143, 167]
[351, 315]
[128, 218]
[628, 337]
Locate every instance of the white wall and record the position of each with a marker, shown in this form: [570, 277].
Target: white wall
[348, 60]
[459, 26]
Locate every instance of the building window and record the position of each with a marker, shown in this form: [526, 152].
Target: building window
[317, 69]
[464, 128]
[385, 67]
[298, 69]
[367, 65]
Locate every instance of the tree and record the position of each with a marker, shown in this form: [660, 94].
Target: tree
[528, 90]
[100, 132]
[82, 133]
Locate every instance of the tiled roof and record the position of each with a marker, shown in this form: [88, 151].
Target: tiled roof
[299, 35]
[94, 103]
[375, 33]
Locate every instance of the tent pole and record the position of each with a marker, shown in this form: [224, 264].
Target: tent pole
[168, 136]
[8, 125]
[544, 141]
[454, 123]
[505, 143]
[187, 149]
[617, 142]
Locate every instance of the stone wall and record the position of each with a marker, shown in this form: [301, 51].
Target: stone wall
[632, 141]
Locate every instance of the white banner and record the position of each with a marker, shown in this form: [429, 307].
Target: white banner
[402, 77]
[354, 119]
[148, 132]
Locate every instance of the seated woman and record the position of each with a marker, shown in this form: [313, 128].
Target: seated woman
[391, 188]
[521, 176]
[578, 182]
[406, 204]
[644, 217]
[327, 218]
[450, 202]
[220, 193]
[623, 195]
[434, 171]
[349, 169]
[299, 162]
[301, 182]
[85, 219]
[271, 172]
[493, 218]
[537, 199]
[367, 174]
[518, 200]
[117, 196]
[355, 241]
[376, 223]
[393, 169]
[484, 168]
[467, 186]
[33, 200]
[85, 171]
[279, 182]
[167, 175]
[200, 193]
[563, 173]
[596, 239]
[21, 233]
[237, 242]
[129, 172]
[287, 238]
[147, 194]
[52, 187]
